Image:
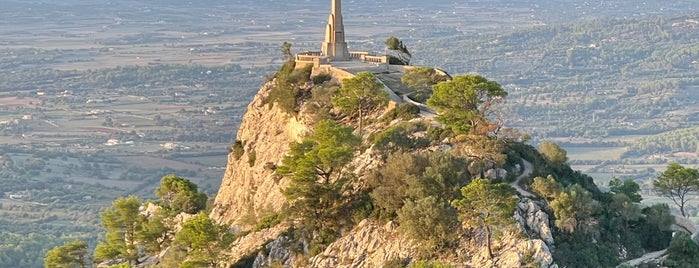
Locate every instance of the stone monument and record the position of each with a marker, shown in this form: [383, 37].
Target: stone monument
[334, 45]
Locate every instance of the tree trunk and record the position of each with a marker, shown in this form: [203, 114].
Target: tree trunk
[682, 208]
[361, 120]
[488, 242]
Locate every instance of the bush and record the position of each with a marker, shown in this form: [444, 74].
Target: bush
[420, 96]
[429, 264]
[399, 137]
[267, 222]
[300, 75]
[286, 70]
[285, 91]
[252, 156]
[321, 78]
[431, 221]
[404, 111]
[395, 263]
[321, 241]
[682, 251]
[237, 149]
[285, 95]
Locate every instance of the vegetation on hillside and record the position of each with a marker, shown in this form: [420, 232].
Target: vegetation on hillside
[425, 192]
[133, 229]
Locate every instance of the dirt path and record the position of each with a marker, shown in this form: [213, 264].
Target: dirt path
[528, 168]
[646, 257]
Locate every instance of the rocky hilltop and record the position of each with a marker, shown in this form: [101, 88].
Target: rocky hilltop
[250, 190]
[319, 178]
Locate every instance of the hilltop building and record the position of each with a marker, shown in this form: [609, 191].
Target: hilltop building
[334, 47]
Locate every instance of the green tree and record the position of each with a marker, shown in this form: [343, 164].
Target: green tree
[69, 255]
[628, 187]
[547, 188]
[682, 252]
[154, 231]
[121, 223]
[421, 78]
[204, 240]
[315, 169]
[286, 51]
[397, 46]
[360, 94]
[553, 153]
[484, 152]
[414, 176]
[429, 220]
[573, 209]
[486, 205]
[676, 182]
[625, 208]
[180, 195]
[466, 103]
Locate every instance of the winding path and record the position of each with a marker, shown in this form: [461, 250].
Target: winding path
[528, 168]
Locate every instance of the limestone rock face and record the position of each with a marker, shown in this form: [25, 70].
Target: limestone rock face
[278, 253]
[533, 220]
[367, 245]
[249, 187]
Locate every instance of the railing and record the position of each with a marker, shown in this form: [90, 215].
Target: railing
[310, 53]
[357, 54]
[376, 59]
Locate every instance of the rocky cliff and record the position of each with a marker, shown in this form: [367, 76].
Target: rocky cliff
[248, 187]
[250, 190]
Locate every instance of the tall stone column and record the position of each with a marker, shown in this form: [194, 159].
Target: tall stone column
[334, 45]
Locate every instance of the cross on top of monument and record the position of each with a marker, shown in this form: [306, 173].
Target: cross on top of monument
[334, 45]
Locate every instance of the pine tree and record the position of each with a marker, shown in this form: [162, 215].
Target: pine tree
[486, 205]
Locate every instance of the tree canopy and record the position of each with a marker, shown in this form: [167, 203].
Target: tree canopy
[628, 187]
[69, 255]
[466, 103]
[180, 195]
[421, 78]
[360, 94]
[396, 45]
[676, 182]
[547, 188]
[553, 153]
[315, 171]
[204, 241]
[573, 209]
[120, 223]
[486, 205]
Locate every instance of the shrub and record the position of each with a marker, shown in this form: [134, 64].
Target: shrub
[321, 78]
[237, 149]
[431, 221]
[267, 222]
[252, 156]
[683, 251]
[285, 91]
[286, 70]
[300, 75]
[285, 95]
[399, 137]
[429, 264]
[395, 263]
[404, 111]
